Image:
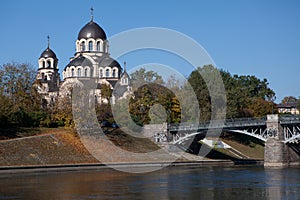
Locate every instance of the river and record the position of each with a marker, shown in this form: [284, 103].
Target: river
[189, 182]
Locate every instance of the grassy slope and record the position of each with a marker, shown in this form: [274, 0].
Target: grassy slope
[60, 146]
[130, 143]
[254, 152]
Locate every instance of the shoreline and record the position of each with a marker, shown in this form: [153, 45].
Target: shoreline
[97, 166]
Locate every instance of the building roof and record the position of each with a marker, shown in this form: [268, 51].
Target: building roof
[92, 30]
[287, 105]
[48, 53]
[125, 74]
[80, 61]
[109, 62]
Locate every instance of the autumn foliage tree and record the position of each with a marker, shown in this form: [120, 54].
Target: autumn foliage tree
[20, 103]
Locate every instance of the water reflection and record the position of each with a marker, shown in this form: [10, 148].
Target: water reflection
[169, 183]
[283, 183]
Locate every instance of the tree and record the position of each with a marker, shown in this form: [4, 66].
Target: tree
[199, 86]
[62, 112]
[243, 93]
[149, 93]
[147, 97]
[18, 98]
[254, 87]
[104, 113]
[259, 107]
[142, 76]
[174, 83]
[106, 92]
[289, 100]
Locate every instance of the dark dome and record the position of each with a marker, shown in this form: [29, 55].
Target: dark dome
[48, 53]
[125, 74]
[92, 30]
[80, 61]
[108, 61]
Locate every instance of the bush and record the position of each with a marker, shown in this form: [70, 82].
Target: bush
[4, 123]
[37, 117]
[21, 118]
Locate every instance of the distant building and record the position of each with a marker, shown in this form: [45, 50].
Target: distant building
[90, 61]
[288, 108]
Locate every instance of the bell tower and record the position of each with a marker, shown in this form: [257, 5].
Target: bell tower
[48, 76]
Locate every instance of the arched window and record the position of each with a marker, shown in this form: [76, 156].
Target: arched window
[114, 73]
[107, 72]
[86, 72]
[72, 72]
[124, 81]
[48, 64]
[44, 64]
[82, 46]
[79, 72]
[98, 46]
[43, 76]
[100, 73]
[90, 46]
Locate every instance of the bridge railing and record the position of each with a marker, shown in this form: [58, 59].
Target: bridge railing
[239, 122]
[293, 119]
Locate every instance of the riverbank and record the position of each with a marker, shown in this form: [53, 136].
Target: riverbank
[98, 166]
[63, 150]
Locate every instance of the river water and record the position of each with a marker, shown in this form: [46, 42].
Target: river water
[190, 182]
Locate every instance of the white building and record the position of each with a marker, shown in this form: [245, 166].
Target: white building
[91, 61]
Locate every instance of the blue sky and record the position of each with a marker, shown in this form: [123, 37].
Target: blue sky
[244, 37]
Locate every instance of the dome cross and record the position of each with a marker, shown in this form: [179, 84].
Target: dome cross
[124, 66]
[48, 38]
[92, 13]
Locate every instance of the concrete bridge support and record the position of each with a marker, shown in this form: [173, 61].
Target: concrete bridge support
[277, 153]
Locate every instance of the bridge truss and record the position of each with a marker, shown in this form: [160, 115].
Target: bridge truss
[291, 134]
[254, 128]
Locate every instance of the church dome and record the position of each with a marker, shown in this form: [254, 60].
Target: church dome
[109, 62]
[80, 61]
[48, 53]
[92, 30]
[125, 74]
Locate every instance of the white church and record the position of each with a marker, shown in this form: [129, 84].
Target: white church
[90, 61]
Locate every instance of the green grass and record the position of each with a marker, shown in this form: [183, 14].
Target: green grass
[253, 151]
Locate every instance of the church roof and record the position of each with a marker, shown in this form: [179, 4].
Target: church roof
[92, 30]
[109, 62]
[125, 74]
[80, 61]
[48, 53]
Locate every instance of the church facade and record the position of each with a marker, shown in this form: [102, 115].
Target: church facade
[90, 61]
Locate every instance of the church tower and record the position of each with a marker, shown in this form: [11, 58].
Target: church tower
[48, 76]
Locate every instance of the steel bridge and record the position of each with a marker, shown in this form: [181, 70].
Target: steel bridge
[254, 127]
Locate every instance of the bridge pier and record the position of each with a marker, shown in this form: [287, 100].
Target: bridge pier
[277, 153]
